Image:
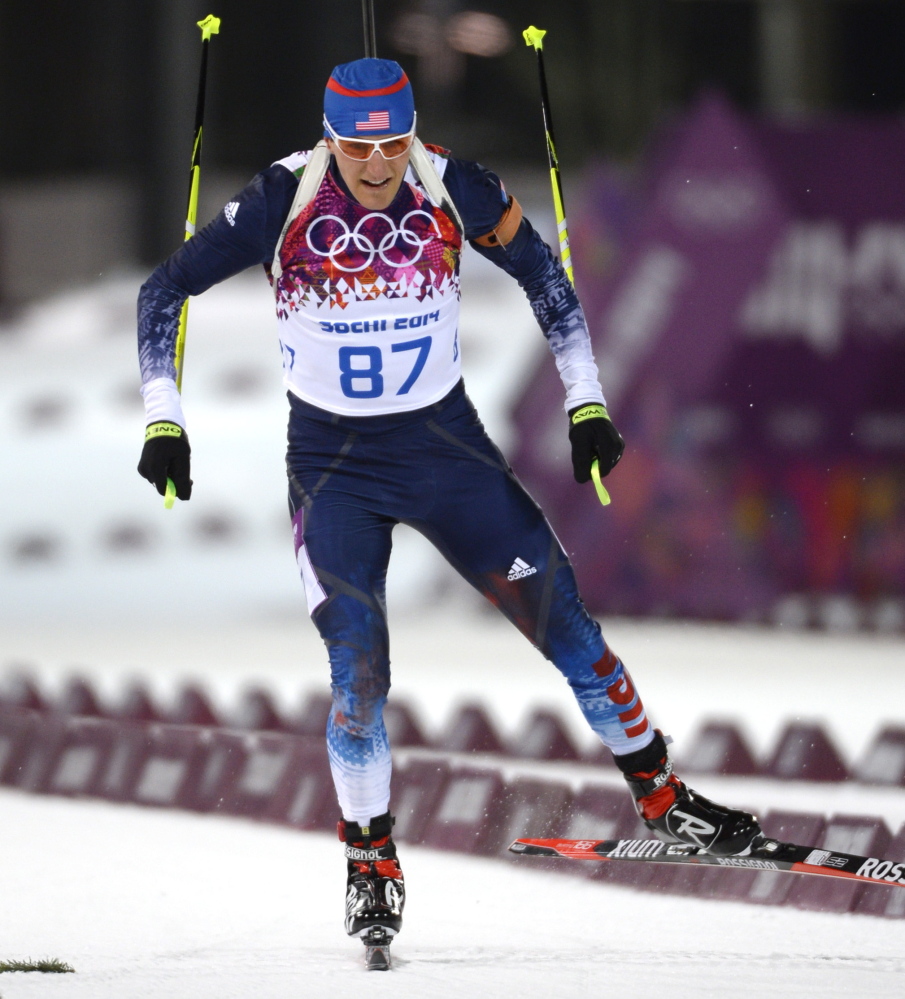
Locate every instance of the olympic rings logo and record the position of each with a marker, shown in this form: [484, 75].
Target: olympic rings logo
[363, 243]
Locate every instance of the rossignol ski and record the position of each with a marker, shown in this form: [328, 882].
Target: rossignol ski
[770, 855]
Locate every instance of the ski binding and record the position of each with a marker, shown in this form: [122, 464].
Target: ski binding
[377, 949]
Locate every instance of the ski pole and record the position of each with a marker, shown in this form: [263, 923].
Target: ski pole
[209, 26]
[534, 38]
[367, 17]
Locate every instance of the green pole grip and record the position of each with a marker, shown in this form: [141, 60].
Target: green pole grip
[602, 494]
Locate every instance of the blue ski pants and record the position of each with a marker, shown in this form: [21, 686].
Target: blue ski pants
[351, 480]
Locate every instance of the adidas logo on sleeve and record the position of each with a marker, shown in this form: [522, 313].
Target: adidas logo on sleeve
[520, 569]
[230, 212]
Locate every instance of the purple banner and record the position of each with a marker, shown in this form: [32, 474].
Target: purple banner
[751, 344]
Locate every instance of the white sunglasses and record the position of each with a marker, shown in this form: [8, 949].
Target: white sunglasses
[364, 149]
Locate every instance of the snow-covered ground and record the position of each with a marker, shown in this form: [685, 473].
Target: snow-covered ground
[170, 906]
[147, 903]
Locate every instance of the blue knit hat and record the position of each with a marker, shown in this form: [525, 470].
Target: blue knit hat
[369, 97]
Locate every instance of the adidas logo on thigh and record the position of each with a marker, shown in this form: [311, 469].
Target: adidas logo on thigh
[520, 569]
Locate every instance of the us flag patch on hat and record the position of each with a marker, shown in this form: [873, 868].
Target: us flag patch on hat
[376, 121]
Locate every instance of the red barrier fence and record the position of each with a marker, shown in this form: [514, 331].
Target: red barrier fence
[275, 769]
[884, 762]
[803, 751]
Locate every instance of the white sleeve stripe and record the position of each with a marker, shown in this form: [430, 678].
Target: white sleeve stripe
[577, 369]
[162, 401]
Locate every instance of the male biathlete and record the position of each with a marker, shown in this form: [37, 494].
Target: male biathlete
[361, 240]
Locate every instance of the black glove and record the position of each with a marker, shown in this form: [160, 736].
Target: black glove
[166, 455]
[592, 435]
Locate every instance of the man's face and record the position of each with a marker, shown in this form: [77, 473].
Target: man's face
[373, 182]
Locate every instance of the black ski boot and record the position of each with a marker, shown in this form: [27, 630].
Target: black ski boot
[679, 815]
[375, 890]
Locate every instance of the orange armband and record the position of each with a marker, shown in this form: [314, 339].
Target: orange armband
[505, 230]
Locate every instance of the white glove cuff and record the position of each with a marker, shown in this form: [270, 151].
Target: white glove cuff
[575, 363]
[162, 401]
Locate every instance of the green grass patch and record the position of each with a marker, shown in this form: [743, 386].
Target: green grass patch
[51, 965]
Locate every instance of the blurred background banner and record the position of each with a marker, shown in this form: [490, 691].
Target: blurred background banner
[97, 100]
[751, 344]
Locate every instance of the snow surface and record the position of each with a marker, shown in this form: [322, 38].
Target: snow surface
[146, 903]
[160, 904]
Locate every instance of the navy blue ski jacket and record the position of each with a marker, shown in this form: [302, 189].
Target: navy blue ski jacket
[246, 232]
